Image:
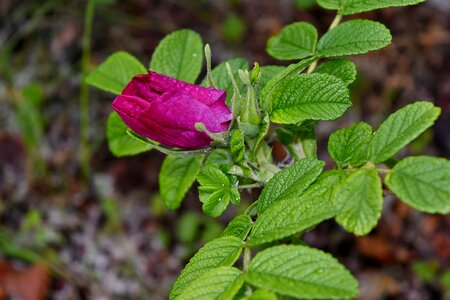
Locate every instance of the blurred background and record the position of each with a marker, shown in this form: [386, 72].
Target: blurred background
[99, 230]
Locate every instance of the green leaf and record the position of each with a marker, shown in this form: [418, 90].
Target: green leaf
[220, 157]
[179, 55]
[115, 72]
[119, 142]
[400, 129]
[422, 182]
[216, 190]
[350, 7]
[343, 69]
[301, 272]
[348, 146]
[295, 41]
[267, 73]
[261, 295]
[176, 177]
[291, 70]
[290, 182]
[359, 201]
[221, 283]
[308, 96]
[239, 227]
[223, 80]
[293, 215]
[237, 146]
[353, 37]
[329, 4]
[223, 251]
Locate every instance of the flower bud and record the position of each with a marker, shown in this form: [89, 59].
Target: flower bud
[166, 110]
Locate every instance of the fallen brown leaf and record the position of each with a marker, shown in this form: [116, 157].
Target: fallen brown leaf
[28, 284]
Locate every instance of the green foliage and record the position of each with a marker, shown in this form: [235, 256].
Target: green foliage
[261, 295]
[290, 182]
[239, 227]
[400, 129]
[291, 70]
[293, 199]
[308, 96]
[295, 41]
[237, 146]
[359, 201]
[112, 76]
[295, 214]
[220, 283]
[179, 55]
[353, 37]
[267, 73]
[301, 272]
[115, 72]
[119, 142]
[216, 190]
[422, 182]
[348, 146]
[176, 177]
[343, 69]
[220, 157]
[222, 78]
[350, 7]
[223, 251]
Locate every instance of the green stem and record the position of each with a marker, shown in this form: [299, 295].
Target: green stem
[333, 24]
[85, 151]
[250, 186]
[312, 67]
[382, 170]
[247, 258]
[294, 152]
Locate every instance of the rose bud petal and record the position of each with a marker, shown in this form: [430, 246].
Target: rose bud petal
[165, 110]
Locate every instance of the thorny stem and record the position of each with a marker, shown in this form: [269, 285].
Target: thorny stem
[85, 151]
[333, 24]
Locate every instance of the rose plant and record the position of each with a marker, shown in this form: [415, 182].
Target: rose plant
[220, 133]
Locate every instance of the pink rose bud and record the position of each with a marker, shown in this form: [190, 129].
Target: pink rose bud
[165, 110]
